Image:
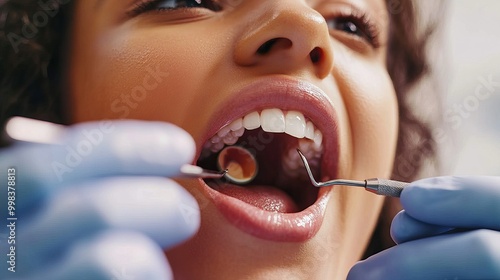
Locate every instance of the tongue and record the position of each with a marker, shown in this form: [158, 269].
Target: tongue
[264, 197]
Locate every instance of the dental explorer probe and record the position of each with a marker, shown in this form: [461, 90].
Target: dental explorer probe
[378, 186]
[36, 131]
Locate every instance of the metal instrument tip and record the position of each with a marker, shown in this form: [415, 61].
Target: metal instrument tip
[308, 169]
[327, 183]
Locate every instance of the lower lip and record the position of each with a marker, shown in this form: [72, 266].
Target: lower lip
[282, 227]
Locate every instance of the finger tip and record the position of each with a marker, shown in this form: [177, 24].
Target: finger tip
[118, 253]
[176, 146]
[190, 211]
[359, 271]
[177, 211]
[397, 230]
[185, 143]
[425, 196]
[121, 146]
[186, 218]
[417, 193]
[354, 273]
[156, 146]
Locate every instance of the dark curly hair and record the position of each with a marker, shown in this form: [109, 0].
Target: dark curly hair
[32, 41]
[32, 49]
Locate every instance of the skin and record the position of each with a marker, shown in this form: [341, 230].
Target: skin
[112, 55]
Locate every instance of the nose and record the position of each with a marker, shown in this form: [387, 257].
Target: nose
[285, 37]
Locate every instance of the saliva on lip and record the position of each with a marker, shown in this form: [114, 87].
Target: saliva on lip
[240, 164]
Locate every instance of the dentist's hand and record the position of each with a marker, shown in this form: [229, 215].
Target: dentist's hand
[450, 229]
[98, 206]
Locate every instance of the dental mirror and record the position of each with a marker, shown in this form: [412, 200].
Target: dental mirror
[240, 164]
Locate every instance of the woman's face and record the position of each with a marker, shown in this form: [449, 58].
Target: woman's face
[312, 68]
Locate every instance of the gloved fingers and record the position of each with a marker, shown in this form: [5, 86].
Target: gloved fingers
[154, 206]
[97, 149]
[104, 256]
[460, 202]
[467, 255]
[404, 228]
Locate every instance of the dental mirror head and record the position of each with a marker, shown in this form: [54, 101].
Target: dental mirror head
[240, 164]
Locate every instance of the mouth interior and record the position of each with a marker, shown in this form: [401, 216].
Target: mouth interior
[276, 187]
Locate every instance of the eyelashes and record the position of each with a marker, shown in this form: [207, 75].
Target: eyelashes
[350, 21]
[145, 6]
[355, 23]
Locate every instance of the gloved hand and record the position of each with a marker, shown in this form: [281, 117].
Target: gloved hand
[450, 229]
[98, 206]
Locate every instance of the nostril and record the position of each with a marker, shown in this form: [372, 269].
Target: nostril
[276, 43]
[266, 47]
[316, 55]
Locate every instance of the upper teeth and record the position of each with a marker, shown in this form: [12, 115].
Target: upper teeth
[274, 121]
[271, 120]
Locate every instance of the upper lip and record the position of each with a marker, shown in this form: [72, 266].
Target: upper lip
[287, 94]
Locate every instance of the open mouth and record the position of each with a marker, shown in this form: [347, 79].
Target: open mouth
[271, 118]
[272, 136]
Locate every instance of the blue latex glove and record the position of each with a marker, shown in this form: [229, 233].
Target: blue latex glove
[430, 246]
[98, 206]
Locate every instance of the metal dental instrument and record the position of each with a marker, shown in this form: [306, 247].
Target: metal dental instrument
[378, 186]
[36, 131]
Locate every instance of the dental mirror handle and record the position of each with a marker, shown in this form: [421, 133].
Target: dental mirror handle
[194, 171]
[36, 131]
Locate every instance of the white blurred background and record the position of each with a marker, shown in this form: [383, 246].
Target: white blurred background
[472, 99]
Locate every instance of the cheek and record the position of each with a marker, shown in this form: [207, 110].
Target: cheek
[150, 75]
[372, 110]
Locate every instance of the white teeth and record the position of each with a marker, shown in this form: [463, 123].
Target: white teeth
[318, 139]
[292, 165]
[223, 132]
[230, 140]
[309, 130]
[214, 140]
[276, 121]
[236, 124]
[272, 120]
[305, 147]
[217, 147]
[295, 124]
[292, 160]
[238, 132]
[251, 121]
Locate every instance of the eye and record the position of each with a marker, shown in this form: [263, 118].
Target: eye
[346, 26]
[171, 5]
[355, 25]
[176, 4]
